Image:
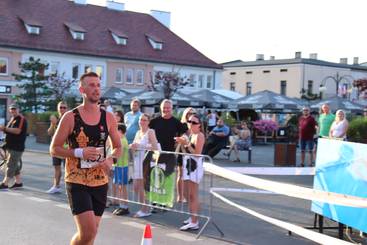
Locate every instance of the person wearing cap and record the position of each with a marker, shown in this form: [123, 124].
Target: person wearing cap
[16, 133]
[307, 129]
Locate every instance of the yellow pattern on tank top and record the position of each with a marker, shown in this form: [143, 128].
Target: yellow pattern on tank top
[90, 177]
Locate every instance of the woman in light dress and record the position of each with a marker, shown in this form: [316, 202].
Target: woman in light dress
[145, 139]
[339, 127]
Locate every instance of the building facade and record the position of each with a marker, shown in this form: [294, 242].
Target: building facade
[125, 48]
[293, 77]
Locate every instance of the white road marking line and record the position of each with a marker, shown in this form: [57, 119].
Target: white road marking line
[182, 237]
[134, 224]
[65, 206]
[37, 199]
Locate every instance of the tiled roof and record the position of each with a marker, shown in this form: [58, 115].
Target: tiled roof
[240, 63]
[97, 22]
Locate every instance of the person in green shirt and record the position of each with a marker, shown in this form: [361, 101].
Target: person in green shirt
[120, 174]
[325, 120]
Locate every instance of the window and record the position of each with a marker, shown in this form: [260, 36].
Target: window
[35, 30]
[119, 75]
[88, 68]
[139, 76]
[248, 72]
[193, 80]
[310, 87]
[3, 66]
[209, 79]
[266, 71]
[283, 70]
[129, 76]
[232, 86]
[201, 81]
[54, 67]
[77, 35]
[76, 31]
[248, 88]
[99, 71]
[75, 71]
[157, 45]
[119, 39]
[283, 87]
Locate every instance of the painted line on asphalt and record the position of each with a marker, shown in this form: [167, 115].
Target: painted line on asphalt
[134, 224]
[64, 206]
[37, 199]
[182, 237]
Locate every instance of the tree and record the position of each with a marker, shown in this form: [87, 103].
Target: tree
[35, 92]
[361, 84]
[168, 82]
[59, 87]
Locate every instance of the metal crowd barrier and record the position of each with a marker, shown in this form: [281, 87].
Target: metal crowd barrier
[170, 173]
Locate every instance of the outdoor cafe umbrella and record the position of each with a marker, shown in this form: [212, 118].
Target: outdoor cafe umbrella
[212, 99]
[267, 101]
[114, 94]
[338, 103]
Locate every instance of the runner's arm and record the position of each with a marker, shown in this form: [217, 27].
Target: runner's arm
[62, 132]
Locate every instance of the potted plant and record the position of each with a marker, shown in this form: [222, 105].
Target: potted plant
[357, 130]
[265, 127]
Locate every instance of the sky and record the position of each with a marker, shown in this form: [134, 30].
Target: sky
[239, 29]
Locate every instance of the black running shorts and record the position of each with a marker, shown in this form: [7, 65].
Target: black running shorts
[84, 198]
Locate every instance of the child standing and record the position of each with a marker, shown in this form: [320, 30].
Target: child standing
[120, 174]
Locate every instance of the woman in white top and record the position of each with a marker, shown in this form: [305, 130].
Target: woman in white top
[193, 169]
[145, 139]
[340, 126]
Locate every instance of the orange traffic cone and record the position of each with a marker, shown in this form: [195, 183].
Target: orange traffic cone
[147, 237]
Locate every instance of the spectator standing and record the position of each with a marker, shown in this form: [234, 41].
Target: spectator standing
[119, 116]
[145, 139]
[16, 133]
[212, 118]
[339, 127]
[131, 119]
[56, 162]
[217, 139]
[307, 129]
[325, 120]
[108, 106]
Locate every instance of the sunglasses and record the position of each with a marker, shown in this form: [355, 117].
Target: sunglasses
[193, 122]
[62, 107]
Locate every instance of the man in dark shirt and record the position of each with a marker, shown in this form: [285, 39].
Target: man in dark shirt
[307, 129]
[167, 127]
[217, 139]
[16, 133]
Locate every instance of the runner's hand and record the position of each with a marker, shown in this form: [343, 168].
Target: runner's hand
[106, 165]
[90, 153]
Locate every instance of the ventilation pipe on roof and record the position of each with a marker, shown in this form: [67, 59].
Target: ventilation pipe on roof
[343, 60]
[259, 57]
[110, 4]
[313, 56]
[355, 61]
[162, 16]
[81, 2]
[298, 55]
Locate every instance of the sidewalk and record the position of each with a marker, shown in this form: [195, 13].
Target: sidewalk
[262, 155]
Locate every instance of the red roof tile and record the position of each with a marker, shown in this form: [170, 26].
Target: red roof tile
[97, 22]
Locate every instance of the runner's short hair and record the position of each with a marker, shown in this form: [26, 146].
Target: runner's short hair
[88, 74]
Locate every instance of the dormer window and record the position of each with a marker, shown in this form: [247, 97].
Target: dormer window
[156, 43]
[35, 30]
[119, 37]
[77, 32]
[33, 27]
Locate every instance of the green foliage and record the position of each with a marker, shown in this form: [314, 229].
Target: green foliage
[45, 116]
[35, 93]
[357, 131]
[229, 120]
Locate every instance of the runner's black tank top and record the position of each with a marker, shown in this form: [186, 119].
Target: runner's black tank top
[84, 135]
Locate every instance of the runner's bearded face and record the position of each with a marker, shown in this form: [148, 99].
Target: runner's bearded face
[91, 89]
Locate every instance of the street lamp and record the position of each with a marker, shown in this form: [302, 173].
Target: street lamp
[337, 79]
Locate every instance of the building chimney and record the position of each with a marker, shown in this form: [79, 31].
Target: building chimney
[259, 57]
[118, 6]
[162, 16]
[313, 56]
[343, 60]
[81, 2]
[298, 55]
[355, 61]
[272, 57]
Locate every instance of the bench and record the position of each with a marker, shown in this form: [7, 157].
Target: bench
[249, 152]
